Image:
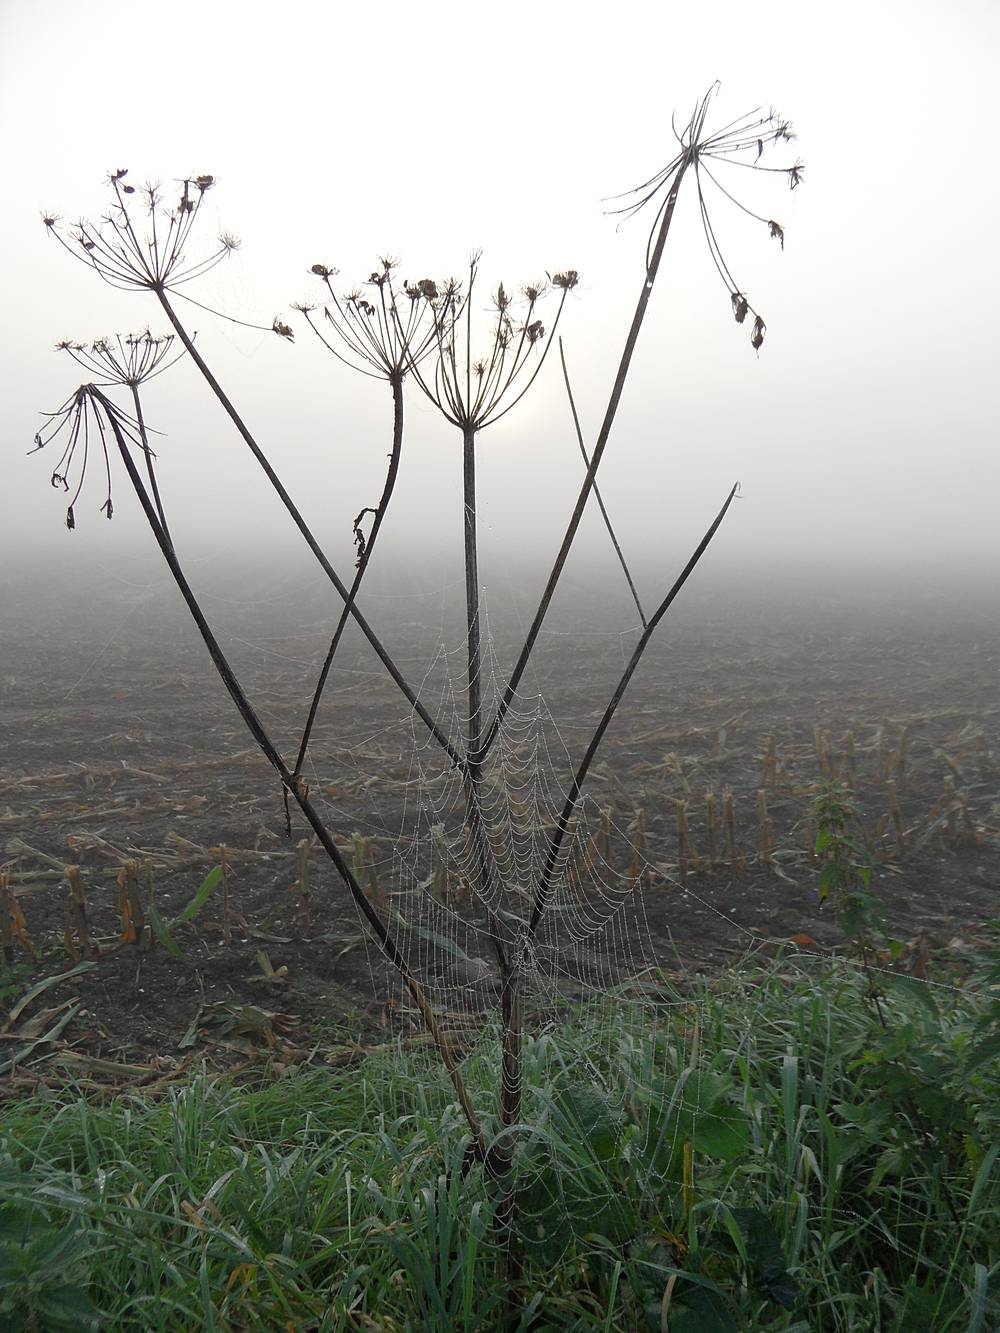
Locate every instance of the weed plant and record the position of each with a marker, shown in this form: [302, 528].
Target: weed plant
[422, 331]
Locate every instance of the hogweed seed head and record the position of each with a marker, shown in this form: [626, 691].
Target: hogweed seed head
[371, 333]
[138, 243]
[743, 143]
[130, 360]
[82, 425]
[472, 393]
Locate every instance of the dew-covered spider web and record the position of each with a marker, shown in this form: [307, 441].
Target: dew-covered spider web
[594, 964]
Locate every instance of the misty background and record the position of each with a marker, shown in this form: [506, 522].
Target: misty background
[863, 434]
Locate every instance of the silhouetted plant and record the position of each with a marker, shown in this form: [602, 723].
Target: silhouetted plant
[422, 329]
[376, 340]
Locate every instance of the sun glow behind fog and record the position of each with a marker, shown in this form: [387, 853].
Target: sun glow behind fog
[862, 431]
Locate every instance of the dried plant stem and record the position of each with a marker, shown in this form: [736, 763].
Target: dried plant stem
[148, 453]
[306, 531]
[595, 461]
[680, 810]
[729, 822]
[904, 737]
[396, 380]
[710, 825]
[766, 829]
[597, 494]
[6, 919]
[294, 787]
[544, 885]
[227, 931]
[475, 731]
[510, 1092]
[770, 763]
[78, 910]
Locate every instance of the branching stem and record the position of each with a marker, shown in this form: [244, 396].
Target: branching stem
[609, 417]
[597, 494]
[306, 532]
[295, 788]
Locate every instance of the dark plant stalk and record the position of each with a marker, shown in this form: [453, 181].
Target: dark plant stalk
[562, 825]
[473, 772]
[597, 494]
[510, 1091]
[396, 380]
[257, 730]
[380, 651]
[148, 453]
[609, 417]
[472, 603]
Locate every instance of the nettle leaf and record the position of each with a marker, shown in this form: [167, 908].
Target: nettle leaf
[766, 1256]
[700, 1305]
[983, 1052]
[587, 1116]
[700, 1114]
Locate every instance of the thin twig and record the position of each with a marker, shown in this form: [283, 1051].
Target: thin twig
[597, 494]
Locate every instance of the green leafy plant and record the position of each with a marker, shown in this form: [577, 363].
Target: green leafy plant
[846, 867]
[42, 1273]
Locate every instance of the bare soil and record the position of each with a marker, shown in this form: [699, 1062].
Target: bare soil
[117, 742]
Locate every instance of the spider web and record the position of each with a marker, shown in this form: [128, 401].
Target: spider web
[593, 954]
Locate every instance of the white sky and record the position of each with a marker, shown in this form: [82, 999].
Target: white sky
[865, 433]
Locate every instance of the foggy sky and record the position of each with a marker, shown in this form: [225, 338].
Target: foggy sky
[864, 434]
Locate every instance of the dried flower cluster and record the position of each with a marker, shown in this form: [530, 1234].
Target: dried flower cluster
[129, 360]
[382, 336]
[735, 144]
[140, 242]
[474, 392]
[81, 424]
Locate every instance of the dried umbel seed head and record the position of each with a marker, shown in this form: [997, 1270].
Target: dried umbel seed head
[282, 330]
[742, 142]
[566, 280]
[140, 242]
[374, 335]
[535, 331]
[128, 360]
[83, 426]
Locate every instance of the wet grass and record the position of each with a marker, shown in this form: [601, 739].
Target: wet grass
[761, 1153]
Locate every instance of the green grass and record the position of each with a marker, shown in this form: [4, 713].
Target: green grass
[763, 1154]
